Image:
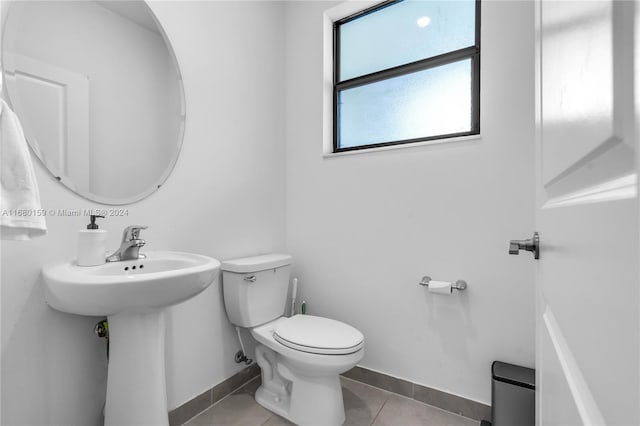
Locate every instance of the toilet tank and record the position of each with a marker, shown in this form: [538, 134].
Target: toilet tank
[255, 288]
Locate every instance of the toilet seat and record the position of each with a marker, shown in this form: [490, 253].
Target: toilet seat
[318, 335]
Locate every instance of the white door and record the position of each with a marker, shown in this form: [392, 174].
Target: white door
[588, 325]
[53, 105]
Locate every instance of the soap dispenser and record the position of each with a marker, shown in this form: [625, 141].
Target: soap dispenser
[92, 244]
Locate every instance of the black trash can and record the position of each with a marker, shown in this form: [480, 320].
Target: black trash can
[512, 395]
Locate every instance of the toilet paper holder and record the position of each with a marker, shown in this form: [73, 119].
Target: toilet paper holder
[459, 285]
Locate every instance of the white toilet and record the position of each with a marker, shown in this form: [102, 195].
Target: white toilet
[300, 357]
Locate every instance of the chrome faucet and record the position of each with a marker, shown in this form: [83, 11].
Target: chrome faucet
[130, 245]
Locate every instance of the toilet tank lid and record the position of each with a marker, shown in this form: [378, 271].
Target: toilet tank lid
[256, 263]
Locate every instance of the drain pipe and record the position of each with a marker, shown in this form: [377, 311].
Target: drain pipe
[241, 355]
[101, 330]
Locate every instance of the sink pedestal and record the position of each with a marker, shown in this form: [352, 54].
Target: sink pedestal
[132, 294]
[136, 385]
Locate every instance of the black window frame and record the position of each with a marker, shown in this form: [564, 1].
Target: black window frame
[471, 52]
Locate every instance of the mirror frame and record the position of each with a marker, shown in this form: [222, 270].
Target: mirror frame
[4, 93]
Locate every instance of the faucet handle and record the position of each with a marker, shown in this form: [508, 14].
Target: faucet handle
[132, 232]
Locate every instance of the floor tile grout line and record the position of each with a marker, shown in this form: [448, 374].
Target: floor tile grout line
[236, 389]
[367, 384]
[230, 393]
[409, 398]
[210, 391]
[434, 407]
[221, 399]
[267, 421]
[380, 410]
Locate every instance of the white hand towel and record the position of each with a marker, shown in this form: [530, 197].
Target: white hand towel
[20, 209]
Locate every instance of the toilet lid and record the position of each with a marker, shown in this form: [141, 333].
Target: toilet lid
[318, 335]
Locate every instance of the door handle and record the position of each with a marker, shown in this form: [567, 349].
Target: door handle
[532, 245]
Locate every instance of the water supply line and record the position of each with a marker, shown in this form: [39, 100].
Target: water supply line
[241, 355]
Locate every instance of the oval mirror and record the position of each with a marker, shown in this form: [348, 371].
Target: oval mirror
[98, 90]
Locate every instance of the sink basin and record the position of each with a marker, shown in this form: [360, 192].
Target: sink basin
[132, 295]
[164, 278]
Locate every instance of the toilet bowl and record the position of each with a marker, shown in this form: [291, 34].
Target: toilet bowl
[301, 384]
[300, 357]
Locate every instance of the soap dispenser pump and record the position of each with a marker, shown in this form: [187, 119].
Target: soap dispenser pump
[93, 224]
[92, 244]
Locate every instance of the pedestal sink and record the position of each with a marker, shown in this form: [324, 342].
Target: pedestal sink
[132, 295]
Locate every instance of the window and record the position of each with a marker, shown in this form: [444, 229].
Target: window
[406, 71]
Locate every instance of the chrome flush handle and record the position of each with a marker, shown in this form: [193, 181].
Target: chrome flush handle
[250, 278]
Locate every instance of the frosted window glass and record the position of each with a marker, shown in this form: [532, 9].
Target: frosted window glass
[403, 33]
[436, 101]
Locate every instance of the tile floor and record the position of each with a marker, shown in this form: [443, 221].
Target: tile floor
[364, 405]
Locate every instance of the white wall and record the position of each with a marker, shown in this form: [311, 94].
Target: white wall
[225, 198]
[365, 228]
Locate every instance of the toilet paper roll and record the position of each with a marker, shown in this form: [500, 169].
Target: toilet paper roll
[440, 287]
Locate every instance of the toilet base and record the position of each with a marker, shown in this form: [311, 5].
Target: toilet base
[273, 402]
[318, 404]
[299, 398]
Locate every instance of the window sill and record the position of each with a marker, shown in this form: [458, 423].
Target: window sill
[470, 138]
